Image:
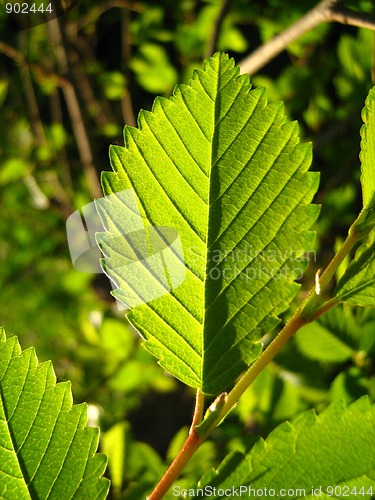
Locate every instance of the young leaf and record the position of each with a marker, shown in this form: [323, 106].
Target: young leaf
[309, 452]
[317, 342]
[357, 286]
[224, 173]
[46, 450]
[332, 338]
[367, 154]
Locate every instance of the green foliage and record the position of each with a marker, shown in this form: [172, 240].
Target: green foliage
[118, 56]
[46, 449]
[114, 85]
[355, 64]
[356, 286]
[341, 342]
[308, 453]
[242, 248]
[368, 150]
[334, 337]
[164, 181]
[319, 343]
[153, 70]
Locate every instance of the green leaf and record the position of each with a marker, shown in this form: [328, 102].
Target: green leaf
[13, 169]
[219, 183]
[332, 449]
[355, 67]
[114, 85]
[46, 450]
[329, 339]
[357, 286]
[3, 90]
[367, 154]
[114, 446]
[153, 70]
[349, 385]
[317, 342]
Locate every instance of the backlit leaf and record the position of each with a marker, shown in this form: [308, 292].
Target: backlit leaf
[46, 450]
[367, 154]
[207, 219]
[309, 452]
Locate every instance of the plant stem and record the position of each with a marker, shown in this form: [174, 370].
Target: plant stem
[297, 322]
[192, 443]
[310, 303]
[268, 354]
[323, 308]
[307, 312]
[198, 410]
[261, 56]
[212, 42]
[326, 11]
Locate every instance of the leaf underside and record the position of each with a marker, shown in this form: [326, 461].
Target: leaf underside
[332, 449]
[225, 171]
[46, 450]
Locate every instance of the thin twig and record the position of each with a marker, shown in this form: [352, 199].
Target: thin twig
[126, 101]
[56, 117]
[75, 113]
[192, 443]
[343, 15]
[32, 104]
[96, 111]
[39, 199]
[188, 449]
[40, 71]
[80, 51]
[324, 12]
[212, 42]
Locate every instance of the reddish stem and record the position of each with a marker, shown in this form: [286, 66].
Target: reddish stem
[191, 444]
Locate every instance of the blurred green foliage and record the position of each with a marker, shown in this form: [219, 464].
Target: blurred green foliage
[66, 90]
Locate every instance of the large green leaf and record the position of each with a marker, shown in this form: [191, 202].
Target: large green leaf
[367, 154]
[224, 173]
[333, 338]
[46, 450]
[357, 285]
[334, 451]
